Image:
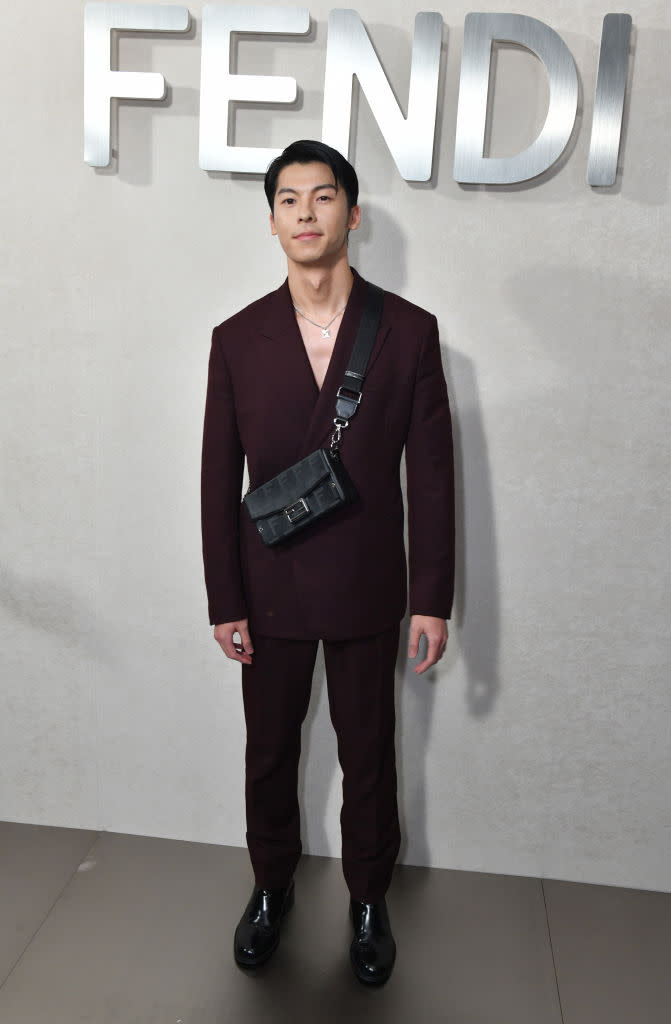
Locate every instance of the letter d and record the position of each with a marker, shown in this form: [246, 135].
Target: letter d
[480, 30]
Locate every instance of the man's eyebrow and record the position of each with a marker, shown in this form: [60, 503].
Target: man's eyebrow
[317, 188]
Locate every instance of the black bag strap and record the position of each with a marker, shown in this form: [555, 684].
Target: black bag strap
[349, 393]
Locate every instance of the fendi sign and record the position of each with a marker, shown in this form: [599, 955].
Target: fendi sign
[350, 52]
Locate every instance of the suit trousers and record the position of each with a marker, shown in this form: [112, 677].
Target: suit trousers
[276, 693]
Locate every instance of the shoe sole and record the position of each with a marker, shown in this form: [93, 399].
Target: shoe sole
[257, 961]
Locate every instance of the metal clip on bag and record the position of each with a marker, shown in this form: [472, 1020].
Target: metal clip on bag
[318, 483]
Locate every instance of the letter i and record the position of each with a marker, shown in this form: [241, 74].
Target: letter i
[611, 83]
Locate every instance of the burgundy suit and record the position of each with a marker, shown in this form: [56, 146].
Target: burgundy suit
[343, 577]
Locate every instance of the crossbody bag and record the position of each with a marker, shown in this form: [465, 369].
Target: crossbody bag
[319, 483]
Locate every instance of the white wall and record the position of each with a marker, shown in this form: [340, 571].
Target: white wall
[540, 744]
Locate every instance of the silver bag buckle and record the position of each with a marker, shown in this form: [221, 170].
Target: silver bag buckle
[296, 511]
[351, 396]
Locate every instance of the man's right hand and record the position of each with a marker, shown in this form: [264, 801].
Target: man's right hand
[240, 650]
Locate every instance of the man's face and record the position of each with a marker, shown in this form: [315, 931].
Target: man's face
[310, 215]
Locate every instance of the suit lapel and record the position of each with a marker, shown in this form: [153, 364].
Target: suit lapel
[321, 425]
[280, 325]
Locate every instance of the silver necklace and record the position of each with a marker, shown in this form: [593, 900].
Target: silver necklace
[325, 330]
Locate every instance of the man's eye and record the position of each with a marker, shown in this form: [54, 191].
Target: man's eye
[326, 197]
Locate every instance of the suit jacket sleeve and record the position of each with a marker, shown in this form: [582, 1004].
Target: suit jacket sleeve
[221, 486]
[430, 487]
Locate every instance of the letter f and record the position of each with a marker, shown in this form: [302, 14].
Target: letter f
[101, 83]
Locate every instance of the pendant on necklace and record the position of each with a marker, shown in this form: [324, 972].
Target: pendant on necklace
[325, 332]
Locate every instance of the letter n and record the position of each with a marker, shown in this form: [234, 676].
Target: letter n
[350, 52]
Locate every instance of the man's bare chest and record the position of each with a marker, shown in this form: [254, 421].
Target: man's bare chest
[318, 350]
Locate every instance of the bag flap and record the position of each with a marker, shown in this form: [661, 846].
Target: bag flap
[289, 485]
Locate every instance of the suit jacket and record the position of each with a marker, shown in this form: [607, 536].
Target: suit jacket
[345, 575]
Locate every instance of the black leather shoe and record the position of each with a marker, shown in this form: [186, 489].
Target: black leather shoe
[258, 932]
[373, 949]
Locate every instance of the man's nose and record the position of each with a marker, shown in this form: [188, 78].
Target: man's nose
[305, 212]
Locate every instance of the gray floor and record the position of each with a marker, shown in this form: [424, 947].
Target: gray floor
[115, 929]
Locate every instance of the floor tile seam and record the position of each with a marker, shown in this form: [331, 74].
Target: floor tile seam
[48, 912]
[552, 952]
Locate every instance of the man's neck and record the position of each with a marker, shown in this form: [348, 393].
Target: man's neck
[320, 290]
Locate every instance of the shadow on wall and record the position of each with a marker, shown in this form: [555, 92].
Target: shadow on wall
[371, 245]
[51, 607]
[475, 624]
[477, 584]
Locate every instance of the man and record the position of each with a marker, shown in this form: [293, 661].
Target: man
[274, 371]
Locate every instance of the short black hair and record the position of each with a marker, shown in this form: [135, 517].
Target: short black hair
[308, 151]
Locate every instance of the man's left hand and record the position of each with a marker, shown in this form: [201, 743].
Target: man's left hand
[435, 631]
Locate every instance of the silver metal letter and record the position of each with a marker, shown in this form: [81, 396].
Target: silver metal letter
[611, 83]
[480, 30]
[218, 87]
[101, 83]
[350, 52]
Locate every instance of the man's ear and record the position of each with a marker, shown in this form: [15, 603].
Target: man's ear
[273, 229]
[354, 218]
